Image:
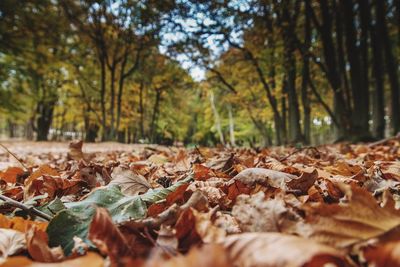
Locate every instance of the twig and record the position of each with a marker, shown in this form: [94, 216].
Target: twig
[384, 141]
[299, 150]
[198, 151]
[12, 154]
[30, 210]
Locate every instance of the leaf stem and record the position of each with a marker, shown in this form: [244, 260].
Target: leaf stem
[30, 210]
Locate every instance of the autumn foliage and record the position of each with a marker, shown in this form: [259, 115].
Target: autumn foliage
[170, 206]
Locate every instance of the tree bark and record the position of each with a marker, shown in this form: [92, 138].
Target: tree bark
[305, 77]
[360, 114]
[378, 112]
[288, 23]
[45, 111]
[391, 64]
[217, 119]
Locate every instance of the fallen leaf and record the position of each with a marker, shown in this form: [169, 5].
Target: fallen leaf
[11, 243]
[89, 260]
[264, 177]
[75, 150]
[10, 174]
[20, 224]
[276, 217]
[167, 240]
[207, 255]
[131, 184]
[275, 249]
[382, 255]
[37, 245]
[42, 170]
[108, 238]
[344, 224]
[304, 182]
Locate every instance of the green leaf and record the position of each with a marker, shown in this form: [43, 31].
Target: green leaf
[53, 207]
[75, 220]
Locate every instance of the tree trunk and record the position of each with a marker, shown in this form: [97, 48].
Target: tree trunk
[231, 127]
[333, 74]
[11, 128]
[378, 112]
[295, 134]
[45, 111]
[391, 64]
[112, 135]
[155, 115]
[360, 114]
[141, 110]
[105, 131]
[217, 119]
[305, 78]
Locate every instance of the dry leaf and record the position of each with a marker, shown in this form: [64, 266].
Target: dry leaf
[257, 214]
[11, 243]
[75, 150]
[38, 248]
[130, 183]
[346, 223]
[42, 170]
[383, 255]
[167, 239]
[89, 260]
[275, 250]
[264, 177]
[208, 255]
[10, 174]
[304, 182]
[20, 224]
[108, 238]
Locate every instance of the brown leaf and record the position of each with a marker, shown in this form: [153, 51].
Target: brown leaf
[304, 182]
[20, 224]
[89, 260]
[167, 239]
[276, 217]
[130, 183]
[10, 175]
[38, 248]
[264, 177]
[52, 186]
[75, 150]
[344, 224]
[11, 243]
[382, 255]
[275, 249]
[107, 237]
[42, 170]
[207, 255]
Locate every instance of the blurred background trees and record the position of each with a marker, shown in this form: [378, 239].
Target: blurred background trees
[256, 72]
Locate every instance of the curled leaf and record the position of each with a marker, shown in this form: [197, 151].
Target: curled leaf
[37, 244]
[11, 242]
[130, 183]
[107, 237]
[275, 249]
[344, 224]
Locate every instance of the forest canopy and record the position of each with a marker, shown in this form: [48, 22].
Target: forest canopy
[256, 72]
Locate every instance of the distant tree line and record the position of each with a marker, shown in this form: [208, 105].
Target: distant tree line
[276, 72]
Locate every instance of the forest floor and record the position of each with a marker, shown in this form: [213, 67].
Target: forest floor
[111, 204]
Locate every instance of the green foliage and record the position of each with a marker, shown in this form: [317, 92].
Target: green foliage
[75, 218]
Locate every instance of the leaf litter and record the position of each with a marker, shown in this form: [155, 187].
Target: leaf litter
[116, 205]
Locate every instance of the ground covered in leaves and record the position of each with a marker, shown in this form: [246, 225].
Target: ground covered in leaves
[116, 205]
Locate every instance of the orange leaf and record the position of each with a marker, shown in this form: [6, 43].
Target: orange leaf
[20, 224]
[37, 244]
[10, 175]
[89, 260]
